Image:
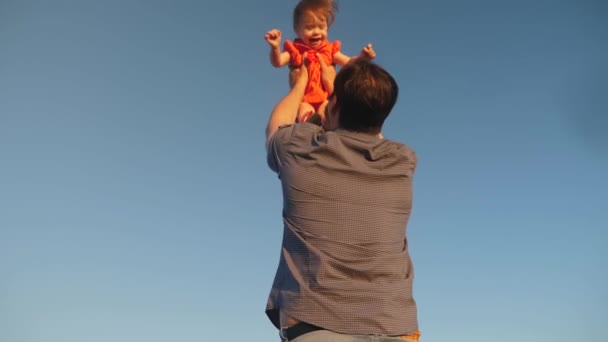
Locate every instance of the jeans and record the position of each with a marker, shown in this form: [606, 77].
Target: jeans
[330, 336]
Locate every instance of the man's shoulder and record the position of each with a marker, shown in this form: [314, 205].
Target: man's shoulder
[405, 150]
[288, 140]
[295, 133]
[402, 148]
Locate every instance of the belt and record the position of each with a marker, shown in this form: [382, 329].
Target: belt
[298, 329]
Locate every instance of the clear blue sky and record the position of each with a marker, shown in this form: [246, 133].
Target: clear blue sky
[136, 204]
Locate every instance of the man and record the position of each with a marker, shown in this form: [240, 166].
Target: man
[344, 273]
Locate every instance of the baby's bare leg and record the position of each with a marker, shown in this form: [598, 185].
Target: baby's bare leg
[305, 108]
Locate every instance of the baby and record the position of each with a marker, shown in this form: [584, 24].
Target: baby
[311, 22]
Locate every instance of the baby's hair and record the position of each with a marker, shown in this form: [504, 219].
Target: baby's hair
[326, 8]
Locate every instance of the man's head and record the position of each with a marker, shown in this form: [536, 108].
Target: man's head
[364, 95]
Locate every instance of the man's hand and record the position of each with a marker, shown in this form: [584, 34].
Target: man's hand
[273, 37]
[368, 52]
[328, 74]
[296, 74]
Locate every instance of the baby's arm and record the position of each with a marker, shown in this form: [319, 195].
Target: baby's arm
[367, 53]
[277, 58]
[341, 59]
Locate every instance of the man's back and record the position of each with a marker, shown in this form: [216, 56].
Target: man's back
[347, 199]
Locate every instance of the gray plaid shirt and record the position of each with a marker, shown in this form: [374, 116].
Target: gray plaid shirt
[344, 262]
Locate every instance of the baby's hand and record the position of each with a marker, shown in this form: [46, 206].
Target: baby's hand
[368, 52]
[273, 37]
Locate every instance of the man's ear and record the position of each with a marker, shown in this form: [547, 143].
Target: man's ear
[332, 112]
[335, 107]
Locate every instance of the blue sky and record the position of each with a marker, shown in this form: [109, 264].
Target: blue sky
[136, 205]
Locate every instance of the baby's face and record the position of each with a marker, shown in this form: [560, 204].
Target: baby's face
[312, 29]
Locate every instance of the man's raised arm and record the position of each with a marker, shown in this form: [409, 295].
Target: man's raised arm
[285, 111]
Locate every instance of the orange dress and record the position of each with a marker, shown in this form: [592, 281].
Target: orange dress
[315, 93]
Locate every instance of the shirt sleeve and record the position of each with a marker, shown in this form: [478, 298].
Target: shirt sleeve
[295, 55]
[335, 47]
[411, 159]
[285, 140]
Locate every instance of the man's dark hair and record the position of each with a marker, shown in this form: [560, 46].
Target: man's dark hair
[365, 95]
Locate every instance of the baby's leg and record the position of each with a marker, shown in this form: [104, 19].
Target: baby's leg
[304, 111]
